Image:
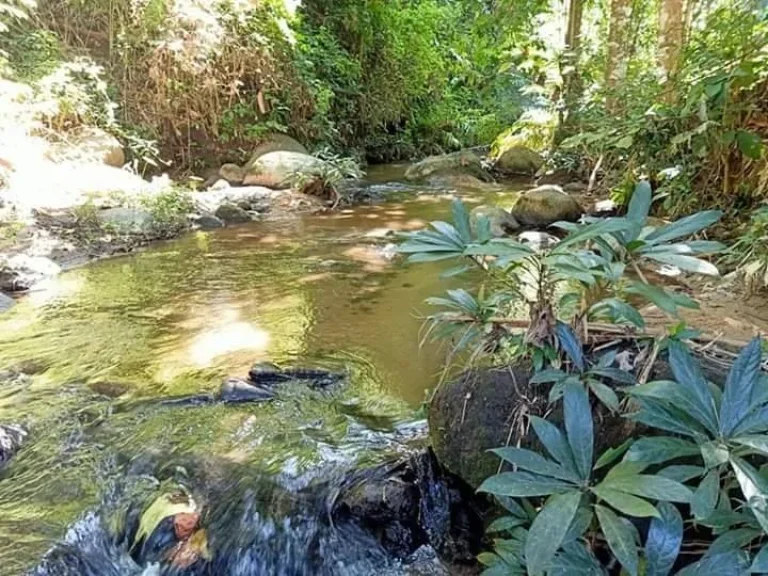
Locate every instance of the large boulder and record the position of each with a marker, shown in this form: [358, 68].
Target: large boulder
[275, 143]
[543, 206]
[89, 144]
[279, 170]
[500, 220]
[465, 162]
[519, 160]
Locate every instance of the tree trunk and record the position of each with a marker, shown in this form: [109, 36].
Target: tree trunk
[672, 26]
[569, 68]
[618, 43]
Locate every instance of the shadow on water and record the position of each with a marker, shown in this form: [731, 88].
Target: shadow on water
[111, 340]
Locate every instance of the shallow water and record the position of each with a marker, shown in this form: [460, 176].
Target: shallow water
[118, 336]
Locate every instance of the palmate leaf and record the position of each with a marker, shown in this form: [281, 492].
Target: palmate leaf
[605, 394]
[620, 538]
[555, 443]
[523, 485]
[662, 545]
[706, 495]
[617, 312]
[579, 427]
[571, 345]
[739, 388]
[686, 263]
[659, 449]
[681, 472]
[648, 486]
[666, 300]
[461, 220]
[660, 415]
[626, 503]
[590, 231]
[688, 374]
[613, 454]
[575, 560]
[533, 462]
[548, 530]
[683, 227]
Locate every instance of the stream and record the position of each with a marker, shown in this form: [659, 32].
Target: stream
[89, 360]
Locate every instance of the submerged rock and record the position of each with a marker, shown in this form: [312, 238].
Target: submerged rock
[464, 163]
[232, 214]
[235, 390]
[12, 437]
[265, 373]
[207, 222]
[543, 206]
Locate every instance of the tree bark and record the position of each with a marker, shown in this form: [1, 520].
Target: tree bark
[618, 44]
[672, 27]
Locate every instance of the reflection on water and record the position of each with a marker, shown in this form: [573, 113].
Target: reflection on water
[121, 334]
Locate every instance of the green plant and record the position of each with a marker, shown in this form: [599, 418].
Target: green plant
[749, 255]
[719, 441]
[578, 493]
[324, 180]
[170, 211]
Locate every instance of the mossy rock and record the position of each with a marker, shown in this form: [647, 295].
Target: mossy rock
[519, 160]
[464, 162]
[545, 205]
[502, 223]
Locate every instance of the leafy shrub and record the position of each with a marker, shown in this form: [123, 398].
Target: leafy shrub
[719, 439]
[749, 254]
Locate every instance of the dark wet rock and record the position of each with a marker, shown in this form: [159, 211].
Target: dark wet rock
[268, 374]
[232, 214]
[6, 303]
[543, 206]
[413, 503]
[465, 163]
[207, 222]
[12, 436]
[519, 160]
[502, 222]
[235, 390]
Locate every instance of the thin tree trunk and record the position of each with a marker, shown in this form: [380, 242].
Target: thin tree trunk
[616, 62]
[673, 17]
[569, 67]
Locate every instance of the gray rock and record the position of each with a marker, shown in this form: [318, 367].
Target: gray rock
[465, 162]
[279, 170]
[235, 391]
[12, 437]
[232, 174]
[502, 222]
[232, 214]
[126, 219]
[519, 160]
[253, 198]
[575, 187]
[543, 206]
[538, 240]
[207, 222]
[6, 302]
[21, 272]
[275, 143]
[90, 144]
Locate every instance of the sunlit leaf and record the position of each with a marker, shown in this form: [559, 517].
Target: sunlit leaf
[619, 537]
[548, 530]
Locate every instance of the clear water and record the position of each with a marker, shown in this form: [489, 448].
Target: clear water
[120, 335]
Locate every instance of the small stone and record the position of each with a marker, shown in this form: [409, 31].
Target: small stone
[219, 185]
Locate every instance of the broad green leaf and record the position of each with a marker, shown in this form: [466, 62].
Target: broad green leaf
[726, 564]
[500, 248]
[681, 472]
[449, 232]
[640, 203]
[659, 449]
[615, 374]
[739, 387]
[547, 376]
[755, 490]
[759, 443]
[665, 300]
[686, 263]
[581, 522]
[662, 416]
[533, 462]
[626, 503]
[555, 443]
[461, 220]
[617, 311]
[590, 231]
[649, 486]
[750, 144]
[612, 454]
[523, 484]
[575, 560]
[684, 227]
[605, 394]
[733, 540]
[579, 427]
[688, 374]
[505, 523]
[571, 345]
[714, 454]
[705, 497]
[665, 536]
[619, 537]
[760, 563]
[455, 271]
[548, 530]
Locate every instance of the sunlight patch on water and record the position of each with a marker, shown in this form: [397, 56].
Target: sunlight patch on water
[233, 337]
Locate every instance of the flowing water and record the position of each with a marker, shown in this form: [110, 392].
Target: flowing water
[109, 342]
